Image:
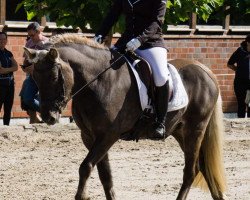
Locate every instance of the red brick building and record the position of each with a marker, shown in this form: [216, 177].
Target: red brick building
[209, 44]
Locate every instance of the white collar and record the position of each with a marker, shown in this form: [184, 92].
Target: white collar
[131, 4]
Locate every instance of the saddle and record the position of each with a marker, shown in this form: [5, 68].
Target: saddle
[141, 66]
[144, 71]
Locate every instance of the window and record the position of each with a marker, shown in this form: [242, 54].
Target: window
[216, 18]
[11, 15]
[239, 19]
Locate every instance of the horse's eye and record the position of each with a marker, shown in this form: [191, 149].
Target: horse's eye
[54, 76]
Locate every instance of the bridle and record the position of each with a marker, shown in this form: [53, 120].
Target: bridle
[60, 101]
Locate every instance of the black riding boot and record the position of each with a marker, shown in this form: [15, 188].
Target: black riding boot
[161, 108]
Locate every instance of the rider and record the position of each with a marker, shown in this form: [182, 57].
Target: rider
[143, 34]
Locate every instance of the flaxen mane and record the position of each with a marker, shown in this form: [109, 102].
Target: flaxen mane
[75, 38]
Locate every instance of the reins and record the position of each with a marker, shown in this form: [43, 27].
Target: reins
[97, 76]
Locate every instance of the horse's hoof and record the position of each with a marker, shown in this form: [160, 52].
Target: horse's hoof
[78, 197]
[224, 197]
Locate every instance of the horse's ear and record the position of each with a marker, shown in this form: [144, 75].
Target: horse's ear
[30, 53]
[53, 54]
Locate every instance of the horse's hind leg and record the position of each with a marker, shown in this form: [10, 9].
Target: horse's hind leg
[192, 143]
[217, 196]
[105, 175]
[96, 154]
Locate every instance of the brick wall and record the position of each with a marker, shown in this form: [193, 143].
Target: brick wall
[211, 51]
[214, 53]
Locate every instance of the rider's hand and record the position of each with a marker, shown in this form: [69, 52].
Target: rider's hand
[98, 38]
[133, 44]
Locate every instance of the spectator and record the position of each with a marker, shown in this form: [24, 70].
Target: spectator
[7, 86]
[29, 93]
[240, 63]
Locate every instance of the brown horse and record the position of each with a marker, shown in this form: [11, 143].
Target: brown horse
[106, 106]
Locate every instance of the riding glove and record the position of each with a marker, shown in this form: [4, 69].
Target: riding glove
[133, 44]
[98, 38]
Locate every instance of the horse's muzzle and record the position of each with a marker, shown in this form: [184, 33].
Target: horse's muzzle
[51, 117]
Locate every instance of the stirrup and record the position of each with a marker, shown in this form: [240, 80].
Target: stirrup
[159, 131]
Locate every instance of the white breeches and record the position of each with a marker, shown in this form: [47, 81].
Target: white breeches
[157, 58]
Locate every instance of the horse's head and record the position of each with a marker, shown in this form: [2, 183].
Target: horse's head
[54, 79]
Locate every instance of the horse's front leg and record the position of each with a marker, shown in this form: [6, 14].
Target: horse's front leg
[84, 172]
[106, 177]
[96, 154]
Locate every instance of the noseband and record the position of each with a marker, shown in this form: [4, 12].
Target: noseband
[60, 100]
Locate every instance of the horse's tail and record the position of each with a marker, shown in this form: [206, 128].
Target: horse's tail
[211, 154]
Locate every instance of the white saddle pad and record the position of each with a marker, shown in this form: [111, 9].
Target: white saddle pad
[179, 99]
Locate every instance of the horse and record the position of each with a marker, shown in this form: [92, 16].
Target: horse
[105, 104]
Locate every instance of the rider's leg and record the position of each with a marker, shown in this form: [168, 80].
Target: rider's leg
[161, 108]
[157, 58]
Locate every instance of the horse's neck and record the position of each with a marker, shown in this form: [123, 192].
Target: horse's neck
[86, 66]
[87, 62]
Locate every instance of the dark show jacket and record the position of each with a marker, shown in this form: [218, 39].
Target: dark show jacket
[144, 19]
[5, 59]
